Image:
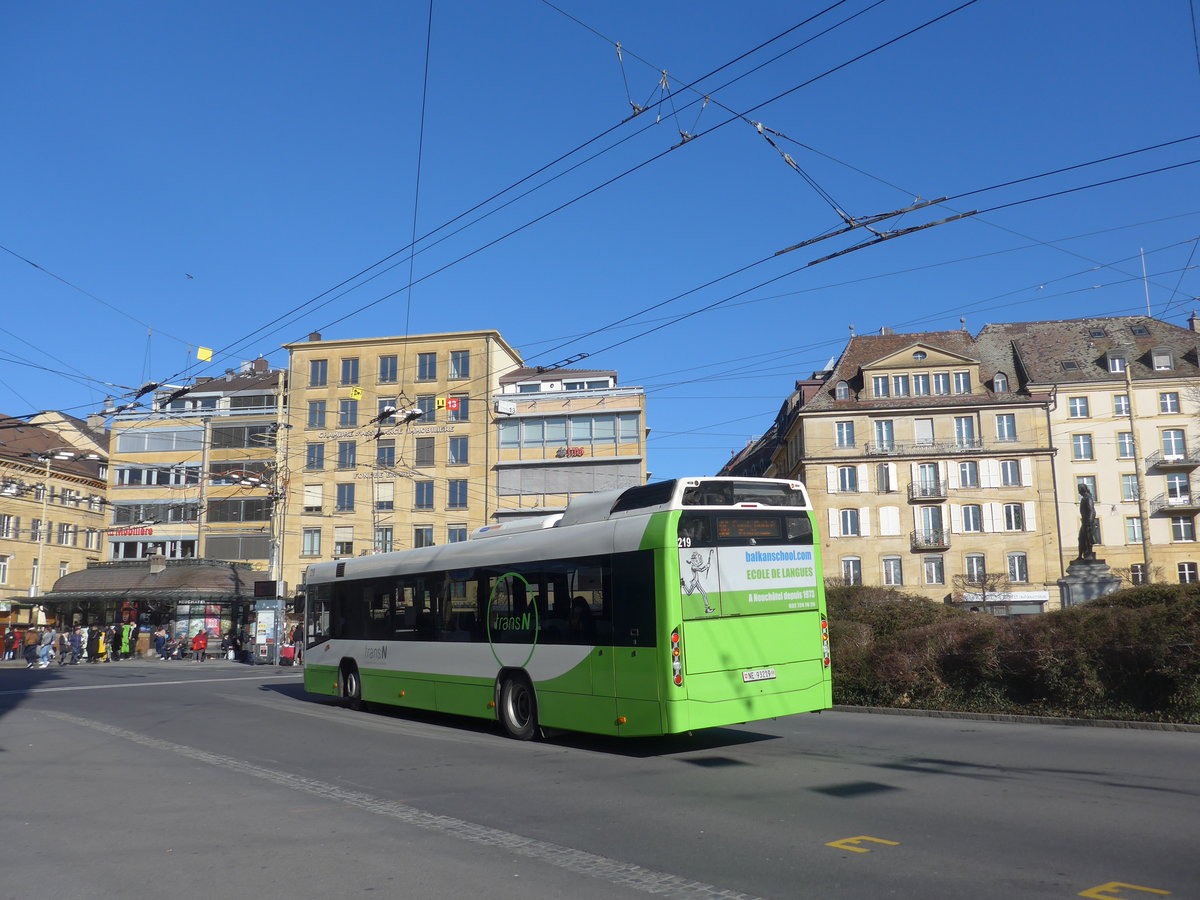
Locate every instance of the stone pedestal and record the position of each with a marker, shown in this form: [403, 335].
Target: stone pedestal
[1086, 579]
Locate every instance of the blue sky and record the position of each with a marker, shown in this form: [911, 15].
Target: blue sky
[270, 151]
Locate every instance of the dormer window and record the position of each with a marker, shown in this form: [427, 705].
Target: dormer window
[1140, 330]
[1000, 383]
[1069, 365]
[1116, 363]
[1163, 359]
[841, 391]
[1098, 333]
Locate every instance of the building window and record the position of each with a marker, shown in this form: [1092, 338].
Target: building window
[1174, 445]
[883, 478]
[847, 479]
[1088, 481]
[423, 536]
[1018, 568]
[426, 367]
[460, 411]
[311, 542]
[345, 498]
[899, 385]
[313, 498]
[976, 568]
[935, 570]
[1014, 517]
[941, 383]
[385, 453]
[457, 496]
[879, 386]
[423, 451]
[849, 522]
[343, 540]
[1137, 573]
[1187, 573]
[1116, 364]
[427, 404]
[841, 391]
[1168, 402]
[1178, 488]
[1006, 427]
[318, 372]
[1183, 528]
[387, 369]
[4, 569]
[845, 434]
[456, 534]
[423, 495]
[920, 383]
[460, 364]
[964, 431]
[316, 414]
[962, 382]
[885, 435]
[1125, 445]
[972, 515]
[314, 457]
[1081, 446]
[383, 539]
[1120, 404]
[1078, 408]
[350, 371]
[1162, 359]
[968, 474]
[1010, 473]
[1129, 487]
[347, 454]
[852, 570]
[385, 495]
[347, 413]
[893, 571]
[1000, 383]
[458, 451]
[1133, 530]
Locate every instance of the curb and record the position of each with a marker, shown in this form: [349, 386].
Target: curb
[1021, 720]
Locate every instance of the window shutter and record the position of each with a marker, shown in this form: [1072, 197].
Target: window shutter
[992, 513]
[989, 472]
[1027, 472]
[831, 479]
[889, 520]
[1030, 524]
[955, 519]
[834, 523]
[952, 477]
[864, 521]
[864, 477]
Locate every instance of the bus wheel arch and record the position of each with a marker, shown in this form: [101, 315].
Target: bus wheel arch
[516, 704]
[351, 684]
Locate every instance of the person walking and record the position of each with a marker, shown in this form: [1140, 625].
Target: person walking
[10, 643]
[129, 637]
[75, 642]
[200, 645]
[93, 645]
[32, 641]
[46, 647]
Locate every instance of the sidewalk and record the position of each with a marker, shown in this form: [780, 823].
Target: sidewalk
[19, 663]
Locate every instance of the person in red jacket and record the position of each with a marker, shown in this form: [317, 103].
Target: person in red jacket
[200, 645]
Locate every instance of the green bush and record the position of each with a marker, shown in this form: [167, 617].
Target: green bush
[1132, 655]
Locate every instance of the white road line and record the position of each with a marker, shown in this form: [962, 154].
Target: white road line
[580, 862]
[133, 684]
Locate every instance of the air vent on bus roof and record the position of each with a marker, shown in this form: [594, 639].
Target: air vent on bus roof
[340, 570]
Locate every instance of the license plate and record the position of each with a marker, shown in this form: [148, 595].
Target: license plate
[758, 675]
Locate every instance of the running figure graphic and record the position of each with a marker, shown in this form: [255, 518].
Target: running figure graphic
[699, 566]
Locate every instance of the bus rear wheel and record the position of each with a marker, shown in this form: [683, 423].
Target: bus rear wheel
[352, 688]
[518, 709]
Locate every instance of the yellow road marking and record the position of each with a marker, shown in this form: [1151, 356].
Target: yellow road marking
[1105, 891]
[850, 842]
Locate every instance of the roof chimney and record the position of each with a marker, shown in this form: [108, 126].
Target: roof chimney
[1193, 321]
[259, 365]
[314, 336]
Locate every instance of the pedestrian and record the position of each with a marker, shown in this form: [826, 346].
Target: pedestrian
[160, 642]
[112, 642]
[46, 647]
[171, 648]
[10, 643]
[298, 642]
[102, 647]
[93, 645]
[129, 636]
[32, 641]
[75, 642]
[62, 647]
[200, 645]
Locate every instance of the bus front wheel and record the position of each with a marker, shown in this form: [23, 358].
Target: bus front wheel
[518, 709]
[352, 688]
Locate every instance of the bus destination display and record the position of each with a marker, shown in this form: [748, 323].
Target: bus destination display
[744, 529]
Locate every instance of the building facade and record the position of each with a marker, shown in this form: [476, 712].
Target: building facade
[362, 473]
[562, 433]
[52, 512]
[950, 466]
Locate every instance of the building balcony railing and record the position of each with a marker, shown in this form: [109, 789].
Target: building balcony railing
[912, 448]
[1189, 459]
[922, 491]
[930, 540]
[1181, 503]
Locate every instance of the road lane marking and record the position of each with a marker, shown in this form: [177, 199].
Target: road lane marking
[851, 843]
[1105, 891]
[579, 862]
[133, 684]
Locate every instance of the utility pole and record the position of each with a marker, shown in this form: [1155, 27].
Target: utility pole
[1139, 472]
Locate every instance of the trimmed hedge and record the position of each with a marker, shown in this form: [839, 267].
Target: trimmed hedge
[1131, 655]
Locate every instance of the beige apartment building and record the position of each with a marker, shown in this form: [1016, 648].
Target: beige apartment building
[362, 473]
[950, 465]
[562, 433]
[51, 510]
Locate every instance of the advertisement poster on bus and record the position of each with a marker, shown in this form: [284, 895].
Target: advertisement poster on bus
[743, 581]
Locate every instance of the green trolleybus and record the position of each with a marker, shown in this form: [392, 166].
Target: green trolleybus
[659, 609]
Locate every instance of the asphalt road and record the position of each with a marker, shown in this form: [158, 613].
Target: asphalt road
[152, 779]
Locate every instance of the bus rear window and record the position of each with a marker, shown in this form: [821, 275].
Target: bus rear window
[731, 493]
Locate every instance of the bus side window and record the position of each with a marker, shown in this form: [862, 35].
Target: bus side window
[799, 530]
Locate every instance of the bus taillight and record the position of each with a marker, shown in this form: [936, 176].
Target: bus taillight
[825, 640]
[676, 657]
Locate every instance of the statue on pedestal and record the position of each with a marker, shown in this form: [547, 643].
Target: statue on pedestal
[1089, 524]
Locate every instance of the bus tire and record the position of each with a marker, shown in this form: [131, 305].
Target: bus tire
[352, 687]
[518, 708]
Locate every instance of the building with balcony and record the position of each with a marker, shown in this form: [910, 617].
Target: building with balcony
[562, 433]
[52, 510]
[363, 472]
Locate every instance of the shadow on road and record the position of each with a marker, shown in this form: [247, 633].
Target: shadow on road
[17, 683]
